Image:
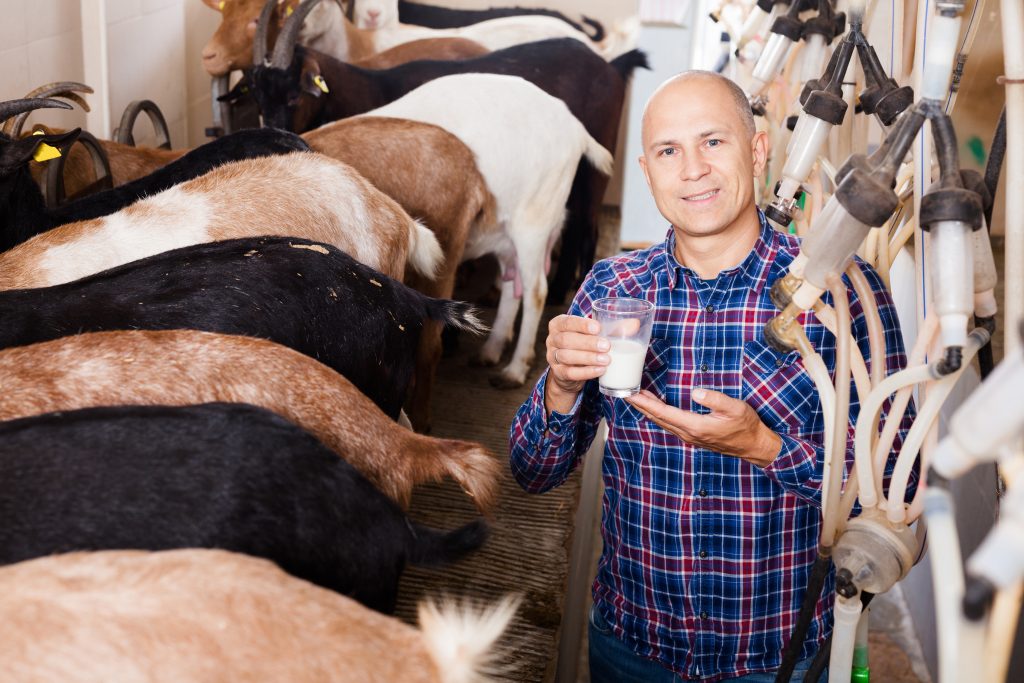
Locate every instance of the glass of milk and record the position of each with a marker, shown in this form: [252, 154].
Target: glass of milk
[626, 324]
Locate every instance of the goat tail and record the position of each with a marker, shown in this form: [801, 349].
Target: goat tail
[599, 33]
[474, 467]
[627, 63]
[433, 548]
[621, 39]
[596, 154]
[457, 314]
[461, 639]
[425, 254]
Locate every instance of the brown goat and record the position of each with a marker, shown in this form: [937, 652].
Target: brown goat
[207, 616]
[186, 367]
[433, 175]
[301, 194]
[230, 48]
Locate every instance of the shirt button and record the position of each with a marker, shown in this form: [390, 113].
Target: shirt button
[703, 553]
[703, 493]
[778, 362]
[703, 615]
[703, 367]
[709, 308]
[556, 428]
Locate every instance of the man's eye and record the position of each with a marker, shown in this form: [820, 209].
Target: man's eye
[668, 152]
[714, 142]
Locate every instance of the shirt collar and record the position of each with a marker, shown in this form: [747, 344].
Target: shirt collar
[753, 270]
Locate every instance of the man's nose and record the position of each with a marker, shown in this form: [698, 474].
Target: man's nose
[373, 13]
[693, 167]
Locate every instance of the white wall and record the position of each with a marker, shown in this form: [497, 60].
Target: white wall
[40, 42]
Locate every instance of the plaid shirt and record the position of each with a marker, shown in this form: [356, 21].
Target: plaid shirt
[706, 556]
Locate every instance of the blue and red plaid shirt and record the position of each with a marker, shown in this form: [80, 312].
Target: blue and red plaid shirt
[706, 556]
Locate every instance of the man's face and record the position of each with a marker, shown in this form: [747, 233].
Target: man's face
[698, 158]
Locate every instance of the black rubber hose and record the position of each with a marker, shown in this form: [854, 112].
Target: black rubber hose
[945, 147]
[820, 661]
[815, 582]
[986, 362]
[995, 163]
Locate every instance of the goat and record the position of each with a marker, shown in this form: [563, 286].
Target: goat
[527, 145]
[434, 177]
[385, 32]
[23, 213]
[444, 17]
[218, 475]
[183, 367]
[593, 89]
[211, 615]
[231, 46]
[303, 193]
[351, 318]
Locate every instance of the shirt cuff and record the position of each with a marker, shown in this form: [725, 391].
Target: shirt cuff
[795, 464]
[555, 426]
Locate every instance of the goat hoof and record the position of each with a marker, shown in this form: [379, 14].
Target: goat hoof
[504, 382]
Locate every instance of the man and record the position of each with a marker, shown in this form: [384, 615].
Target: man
[712, 474]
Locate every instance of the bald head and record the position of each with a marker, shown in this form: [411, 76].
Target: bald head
[685, 81]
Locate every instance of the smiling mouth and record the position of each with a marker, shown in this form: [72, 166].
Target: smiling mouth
[701, 197]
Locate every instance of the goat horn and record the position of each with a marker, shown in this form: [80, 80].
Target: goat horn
[15, 107]
[59, 87]
[14, 126]
[259, 41]
[285, 47]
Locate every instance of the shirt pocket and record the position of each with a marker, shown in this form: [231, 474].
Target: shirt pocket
[778, 388]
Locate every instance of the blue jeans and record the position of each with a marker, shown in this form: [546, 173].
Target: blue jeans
[612, 661]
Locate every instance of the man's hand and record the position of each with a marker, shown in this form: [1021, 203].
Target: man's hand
[576, 354]
[732, 427]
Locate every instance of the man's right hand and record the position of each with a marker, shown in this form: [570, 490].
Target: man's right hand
[575, 354]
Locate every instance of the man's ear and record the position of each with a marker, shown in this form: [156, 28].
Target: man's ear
[759, 147]
[643, 167]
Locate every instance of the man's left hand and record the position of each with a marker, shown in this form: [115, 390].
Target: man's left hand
[732, 427]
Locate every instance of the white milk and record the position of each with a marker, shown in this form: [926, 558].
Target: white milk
[626, 366]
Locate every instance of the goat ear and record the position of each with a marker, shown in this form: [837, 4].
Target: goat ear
[38, 146]
[240, 91]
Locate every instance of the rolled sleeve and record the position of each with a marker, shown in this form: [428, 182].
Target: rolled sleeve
[796, 468]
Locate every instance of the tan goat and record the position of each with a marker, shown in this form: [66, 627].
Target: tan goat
[302, 195]
[207, 616]
[433, 175]
[186, 367]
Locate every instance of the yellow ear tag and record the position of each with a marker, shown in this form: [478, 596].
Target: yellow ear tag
[221, 6]
[45, 152]
[321, 83]
[288, 12]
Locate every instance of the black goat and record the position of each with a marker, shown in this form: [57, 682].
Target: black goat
[308, 296]
[23, 213]
[216, 475]
[593, 89]
[444, 17]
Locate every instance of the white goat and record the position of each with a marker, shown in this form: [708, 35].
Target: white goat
[302, 194]
[527, 146]
[328, 30]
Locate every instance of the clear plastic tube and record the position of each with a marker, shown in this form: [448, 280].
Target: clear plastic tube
[876, 333]
[985, 277]
[947, 577]
[892, 422]
[940, 52]
[952, 272]
[769, 63]
[811, 138]
[831, 245]
[895, 509]
[813, 56]
[836, 449]
[844, 635]
[867, 423]
[987, 421]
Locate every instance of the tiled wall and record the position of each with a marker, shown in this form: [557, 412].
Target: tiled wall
[40, 42]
